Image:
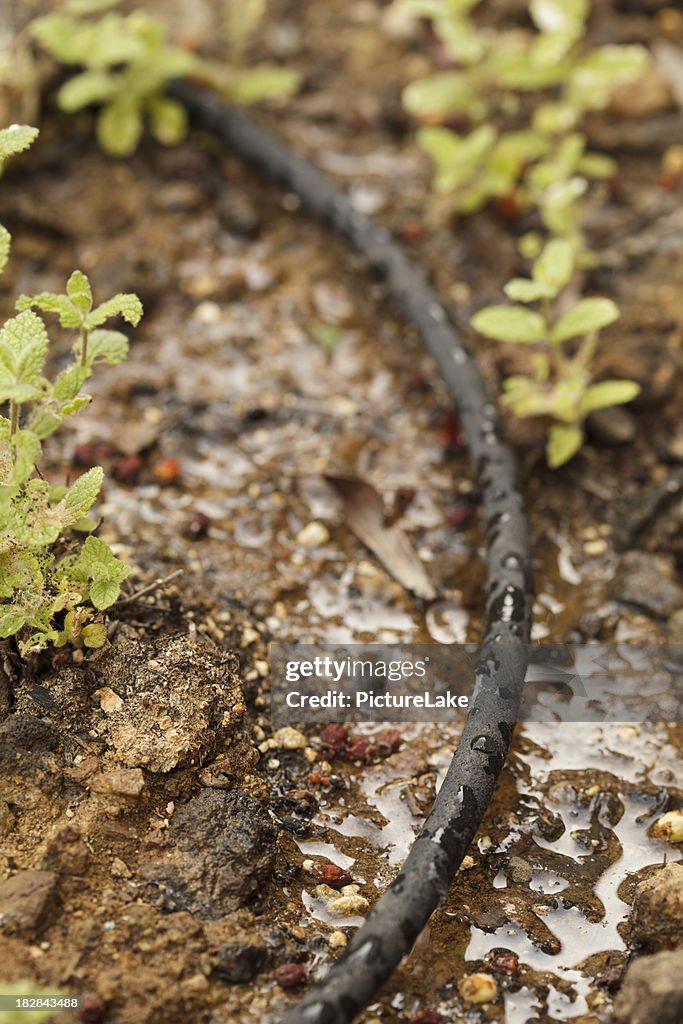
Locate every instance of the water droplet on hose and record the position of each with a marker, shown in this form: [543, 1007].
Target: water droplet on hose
[485, 744]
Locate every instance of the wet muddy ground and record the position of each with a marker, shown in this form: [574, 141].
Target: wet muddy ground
[267, 359]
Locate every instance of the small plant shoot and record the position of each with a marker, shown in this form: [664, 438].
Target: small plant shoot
[561, 386]
[521, 96]
[49, 582]
[125, 63]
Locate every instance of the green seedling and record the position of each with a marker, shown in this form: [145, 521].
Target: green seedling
[523, 94]
[236, 80]
[50, 584]
[561, 386]
[126, 63]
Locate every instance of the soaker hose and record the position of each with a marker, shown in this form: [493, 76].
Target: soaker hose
[420, 886]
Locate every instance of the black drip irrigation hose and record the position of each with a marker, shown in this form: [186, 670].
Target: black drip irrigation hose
[400, 915]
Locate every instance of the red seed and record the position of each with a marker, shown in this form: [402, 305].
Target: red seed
[167, 471]
[318, 779]
[361, 750]
[335, 736]
[458, 515]
[387, 742]
[91, 1010]
[128, 469]
[412, 230]
[334, 876]
[503, 961]
[427, 1017]
[290, 975]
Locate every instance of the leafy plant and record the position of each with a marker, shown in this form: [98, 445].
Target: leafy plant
[561, 385]
[126, 63]
[46, 579]
[524, 95]
[239, 82]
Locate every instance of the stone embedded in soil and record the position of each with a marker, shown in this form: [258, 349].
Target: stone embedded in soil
[27, 902]
[647, 581]
[652, 992]
[65, 852]
[238, 962]
[221, 852]
[119, 781]
[656, 919]
[180, 700]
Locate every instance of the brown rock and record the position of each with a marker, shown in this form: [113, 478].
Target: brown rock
[27, 902]
[221, 851]
[656, 919]
[119, 781]
[647, 581]
[652, 992]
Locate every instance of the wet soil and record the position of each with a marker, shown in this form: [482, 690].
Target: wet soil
[160, 846]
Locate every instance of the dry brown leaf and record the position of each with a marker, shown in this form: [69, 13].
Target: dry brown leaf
[363, 512]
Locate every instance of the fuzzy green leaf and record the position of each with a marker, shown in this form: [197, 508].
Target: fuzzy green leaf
[49, 302]
[439, 95]
[254, 85]
[564, 441]
[510, 323]
[98, 563]
[12, 619]
[586, 316]
[520, 289]
[5, 242]
[609, 392]
[107, 347]
[597, 165]
[458, 158]
[79, 291]
[119, 126]
[95, 633]
[168, 120]
[555, 266]
[70, 382]
[103, 593]
[126, 305]
[16, 139]
[83, 493]
[85, 89]
[27, 452]
[558, 17]
[23, 349]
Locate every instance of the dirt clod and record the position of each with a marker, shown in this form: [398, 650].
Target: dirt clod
[221, 850]
[239, 962]
[179, 700]
[656, 919]
[652, 992]
[27, 902]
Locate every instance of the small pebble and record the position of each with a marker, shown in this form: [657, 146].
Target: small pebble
[669, 827]
[478, 988]
[290, 975]
[313, 535]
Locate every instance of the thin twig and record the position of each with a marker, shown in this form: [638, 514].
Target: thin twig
[150, 586]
